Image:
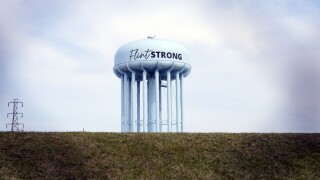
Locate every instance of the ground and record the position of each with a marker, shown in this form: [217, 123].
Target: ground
[85, 155]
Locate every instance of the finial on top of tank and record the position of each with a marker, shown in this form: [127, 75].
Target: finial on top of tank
[151, 37]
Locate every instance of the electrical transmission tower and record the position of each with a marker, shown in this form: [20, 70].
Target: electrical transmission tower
[15, 124]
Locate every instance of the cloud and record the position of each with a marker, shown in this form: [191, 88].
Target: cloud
[280, 39]
[254, 63]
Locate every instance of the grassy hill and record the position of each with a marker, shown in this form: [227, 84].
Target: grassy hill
[82, 155]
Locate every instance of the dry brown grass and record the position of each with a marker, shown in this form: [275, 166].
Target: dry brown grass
[81, 155]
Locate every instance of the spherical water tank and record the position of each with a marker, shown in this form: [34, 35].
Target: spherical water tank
[151, 55]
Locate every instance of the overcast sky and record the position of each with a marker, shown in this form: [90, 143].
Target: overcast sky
[255, 64]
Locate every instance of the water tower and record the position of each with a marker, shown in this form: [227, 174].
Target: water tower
[152, 73]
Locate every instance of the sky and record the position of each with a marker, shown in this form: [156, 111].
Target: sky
[255, 64]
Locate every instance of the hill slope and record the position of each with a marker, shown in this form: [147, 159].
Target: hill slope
[158, 156]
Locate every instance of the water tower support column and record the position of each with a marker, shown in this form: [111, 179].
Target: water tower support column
[126, 107]
[151, 104]
[145, 102]
[133, 103]
[169, 113]
[122, 103]
[138, 107]
[156, 74]
[178, 102]
[160, 107]
[181, 98]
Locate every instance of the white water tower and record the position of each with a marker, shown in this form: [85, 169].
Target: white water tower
[152, 73]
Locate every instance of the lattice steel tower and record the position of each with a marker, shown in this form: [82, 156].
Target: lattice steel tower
[15, 124]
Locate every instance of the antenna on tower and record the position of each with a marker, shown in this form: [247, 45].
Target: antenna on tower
[15, 124]
[151, 37]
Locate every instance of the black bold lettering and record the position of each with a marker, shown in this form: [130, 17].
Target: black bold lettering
[174, 56]
[153, 54]
[169, 55]
[180, 56]
[163, 55]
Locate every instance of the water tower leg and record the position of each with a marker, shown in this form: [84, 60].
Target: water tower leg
[157, 100]
[160, 107]
[169, 113]
[122, 103]
[145, 102]
[126, 104]
[152, 104]
[133, 127]
[181, 100]
[138, 107]
[129, 105]
[178, 102]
